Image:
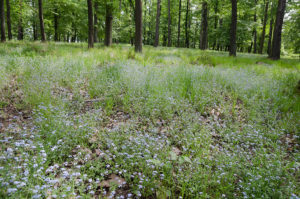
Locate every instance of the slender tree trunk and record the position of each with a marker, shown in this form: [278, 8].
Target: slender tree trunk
[8, 21]
[262, 40]
[43, 36]
[156, 41]
[138, 26]
[96, 21]
[270, 37]
[219, 47]
[20, 22]
[255, 31]
[179, 20]
[145, 24]
[276, 44]
[34, 25]
[187, 36]
[204, 24]
[232, 49]
[90, 24]
[169, 23]
[56, 25]
[2, 18]
[216, 23]
[108, 25]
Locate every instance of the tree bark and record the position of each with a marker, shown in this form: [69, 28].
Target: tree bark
[2, 19]
[156, 41]
[108, 25]
[232, 50]
[20, 22]
[216, 23]
[43, 36]
[255, 31]
[276, 44]
[90, 24]
[204, 24]
[138, 26]
[270, 37]
[262, 40]
[8, 21]
[34, 25]
[55, 24]
[96, 21]
[179, 20]
[187, 36]
[169, 24]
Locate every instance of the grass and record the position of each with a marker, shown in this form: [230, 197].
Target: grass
[168, 123]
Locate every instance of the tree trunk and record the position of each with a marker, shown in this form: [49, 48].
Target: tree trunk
[262, 40]
[232, 50]
[96, 21]
[2, 18]
[204, 24]
[270, 37]
[43, 36]
[108, 25]
[90, 24]
[8, 21]
[138, 26]
[255, 31]
[34, 25]
[179, 20]
[156, 41]
[216, 23]
[56, 25]
[145, 24]
[276, 44]
[169, 23]
[187, 39]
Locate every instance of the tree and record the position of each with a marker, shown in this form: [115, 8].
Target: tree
[108, 24]
[270, 37]
[96, 21]
[156, 41]
[255, 31]
[187, 25]
[20, 21]
[8, 21]
[41, 17]
[204, 25]
[90, 24]
[138, 26]
[55, 24]
[2, 18]
[179, 20]
[262, 39]
[232, 50]
[276, 43]
[169, 23]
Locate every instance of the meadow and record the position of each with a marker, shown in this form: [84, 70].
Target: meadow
[168, 123]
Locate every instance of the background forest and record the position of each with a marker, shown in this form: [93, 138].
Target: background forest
[183, 23]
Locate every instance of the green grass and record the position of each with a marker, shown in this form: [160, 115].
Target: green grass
[169, 122]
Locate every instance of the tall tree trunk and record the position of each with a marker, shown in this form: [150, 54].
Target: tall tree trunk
[145, 24]
[2, 19]
[216, 22]
[270, 37]
[232, 50]
[96, 21]
[156, 41]
[179, 20]
[90, 24]
[34, 25]
[43, 36]
[138, 26]
[204, 24]
[276, 44]
[20, 22]
[262, 40]
[169, 23]
[187, 36]
[55, 24]
[255, 31]
[8, 21]
[108, 25]
[219, 47]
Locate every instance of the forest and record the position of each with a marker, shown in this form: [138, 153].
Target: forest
[154, 99]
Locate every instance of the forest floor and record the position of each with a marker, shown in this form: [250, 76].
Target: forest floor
[168, 123]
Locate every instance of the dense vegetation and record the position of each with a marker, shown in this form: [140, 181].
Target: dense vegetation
[179, 123]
